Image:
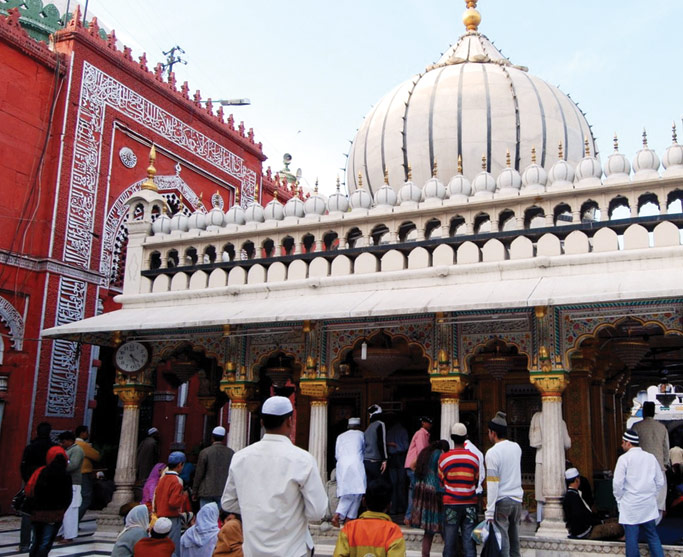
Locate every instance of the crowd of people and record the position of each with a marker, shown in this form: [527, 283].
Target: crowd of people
[260, 500]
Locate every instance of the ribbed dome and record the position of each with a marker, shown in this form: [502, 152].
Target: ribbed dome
[473, 102]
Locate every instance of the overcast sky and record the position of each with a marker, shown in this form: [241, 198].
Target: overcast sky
[314, 68]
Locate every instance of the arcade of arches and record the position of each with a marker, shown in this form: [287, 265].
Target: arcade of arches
[583, 364]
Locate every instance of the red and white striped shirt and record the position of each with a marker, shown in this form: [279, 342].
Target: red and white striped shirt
[459, 474]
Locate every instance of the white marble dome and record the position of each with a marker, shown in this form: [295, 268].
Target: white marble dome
[617, 167]
[561, 174]
[235, 215]
[646, 162]
[434, 189]
[216, 217]
[294, 207]
[197, 220]
[179, 221]
[315, 204]
[588, 170]
[459, 187]
[534, 177]
[274, 210]
[672, 160]
[472, 101]
[409, 192]
[254, 213]
[360, 199]
[509, 180]
[162, 225]
[385, 196]
[338, 202]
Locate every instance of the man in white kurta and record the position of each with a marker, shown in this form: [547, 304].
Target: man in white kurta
[637, 478]
[536, 441]
[351, 483]
[276, 487]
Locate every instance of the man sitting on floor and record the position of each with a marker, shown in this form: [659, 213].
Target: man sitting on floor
[581, 522]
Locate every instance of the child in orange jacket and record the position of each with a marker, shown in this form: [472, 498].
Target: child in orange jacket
[170, 498]
[373, 532]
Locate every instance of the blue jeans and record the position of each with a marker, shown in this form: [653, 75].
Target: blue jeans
[631, 532]
[206, 500]
[44, 534]
[507, 515]
[411, 477]
[459, 519]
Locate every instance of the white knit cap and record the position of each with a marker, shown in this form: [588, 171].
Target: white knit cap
[277, 406]
[162, 525]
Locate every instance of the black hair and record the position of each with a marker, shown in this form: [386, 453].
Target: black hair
[274, 422]
[459, 439]
[500, 430]
[378, 496]
[157, 535]
[218, 437]
[648, 409]
[44, 429]
[80, 429]
[422, 464]
[66, 436]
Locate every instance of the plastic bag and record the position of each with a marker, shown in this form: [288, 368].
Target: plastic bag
[492, 544]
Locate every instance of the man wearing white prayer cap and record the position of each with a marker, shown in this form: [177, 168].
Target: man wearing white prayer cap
[276, 487]
[213, 467]
[351, 482]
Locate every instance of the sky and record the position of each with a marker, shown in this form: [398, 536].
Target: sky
[314, 68]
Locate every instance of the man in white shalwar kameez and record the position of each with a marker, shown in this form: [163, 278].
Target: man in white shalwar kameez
[637, 478]
[351, 481]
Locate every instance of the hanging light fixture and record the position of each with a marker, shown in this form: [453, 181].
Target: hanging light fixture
[364, 350]
[631, 351]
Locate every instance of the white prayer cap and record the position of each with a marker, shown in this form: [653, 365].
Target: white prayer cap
[571, 474]
[277, 406]
[218, 431]
[152, 431]
[375, 409]
[354, 421]
[458, 429]
[162, 525]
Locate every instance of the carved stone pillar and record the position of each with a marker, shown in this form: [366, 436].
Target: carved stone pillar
[551, 383]
[319, 389]
[131, 396]
[239, 393]
[451, 387]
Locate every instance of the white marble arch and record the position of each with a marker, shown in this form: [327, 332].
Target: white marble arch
[443, 255]
[256, 274]
[237, 276]
[605, 240]
[548, 245]
[468, 252]
[218, 278]
[419, 258]
[14, 322]
[365, 263]
[341, 265]
[180, 281]
[521, 248]
[576, 242]
[198, 280]
[319, 267]
[393, 260]
[666, 234]
[277, 272]
[493, 250]
[636, 237]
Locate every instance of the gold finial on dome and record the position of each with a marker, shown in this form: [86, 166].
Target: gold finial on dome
[276, 192]
[237, 196]
[483, 163]
[410, 173]
[586, 148]
[386, 175]
[338, 183]
[533, 155]
[507, 158]
[459, 164]
[435, 169]
[616, 142]
[644, 138]
[673, 133]
[560, 151]
[149, 184]
[181, 204]
[471, 18]
[360, 181]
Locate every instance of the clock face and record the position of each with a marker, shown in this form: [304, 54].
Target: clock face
[131, 357]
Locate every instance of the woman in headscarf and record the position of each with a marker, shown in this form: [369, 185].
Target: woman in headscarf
[230, 538]
[200, 540]
[427, 510]
[137, 525]
[49, 495]
[151, 484]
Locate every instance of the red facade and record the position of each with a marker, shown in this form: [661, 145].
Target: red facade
[77, 122]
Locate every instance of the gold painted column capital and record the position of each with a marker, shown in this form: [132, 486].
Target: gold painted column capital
[450, 386]
[238, 391]
[318, 389]
[132, 395]
[551, 384]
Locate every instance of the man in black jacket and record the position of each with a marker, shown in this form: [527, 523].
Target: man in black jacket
[32, 459]
[581, 521]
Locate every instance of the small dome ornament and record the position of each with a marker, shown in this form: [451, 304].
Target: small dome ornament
[235, 215]
[385, 196]
[588, 170]
[534, 177]
[179, 221]
[483, 184]
[197, 220]
[315, 204]
[274, 210]
[360, 199]
[294, 208]
[561, 175]
[509, 181]
[162, 225]
[409, 192]
[149, 184]
[216, 216]
[672, 160]
[254, 212]
[646, 162]
[617, 167]
[338, 202]
[434, 190]
[459, 187]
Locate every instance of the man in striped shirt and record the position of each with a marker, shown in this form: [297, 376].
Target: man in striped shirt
[459, 474]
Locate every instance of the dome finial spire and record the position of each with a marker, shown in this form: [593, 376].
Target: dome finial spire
[410, 172]
[533, 155]
[338, 183]
[459, 164]
[560, 151]
[483, 162]
[435, 169]
[471, 18]
[616, 143]
[644, 138]
[149, 184]
[360, 181]
[586, 148]
[507, 158]
[386, 175]
[674, 136]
